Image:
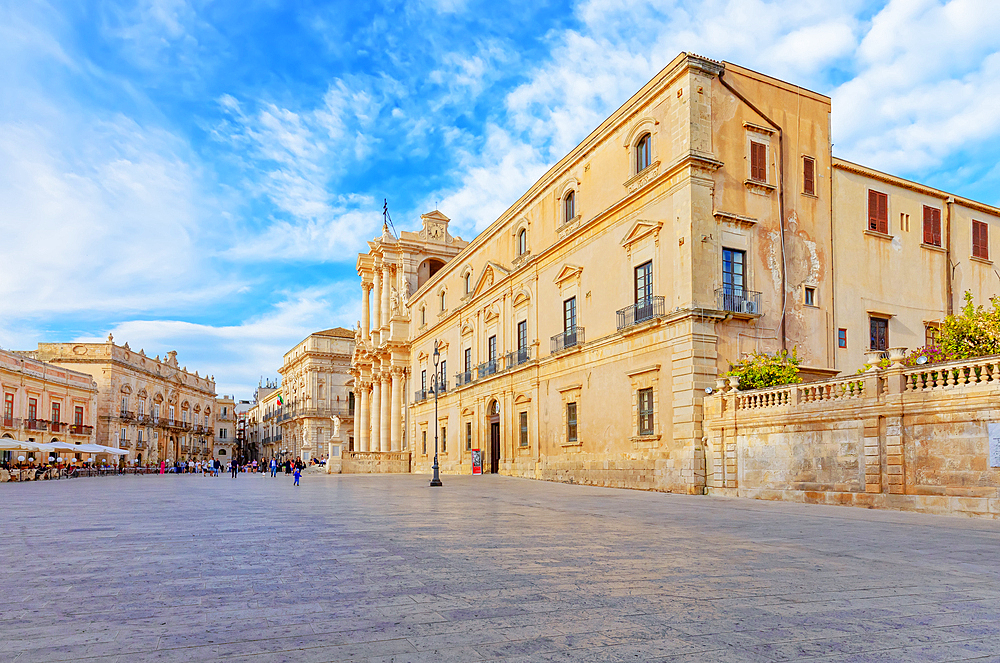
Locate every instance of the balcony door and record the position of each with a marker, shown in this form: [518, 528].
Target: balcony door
[733, 279]
[644, 291]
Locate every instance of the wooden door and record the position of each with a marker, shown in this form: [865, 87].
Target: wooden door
[494, 447]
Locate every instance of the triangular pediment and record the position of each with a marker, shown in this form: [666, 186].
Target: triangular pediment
[436, 214]
[640, 229]
[492, 272]
[568, 272]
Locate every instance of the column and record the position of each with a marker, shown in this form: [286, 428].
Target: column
[366, 318]
[384, 423]
[376, 409]
[394, 428]
[361, 424]
[386, 280]
[378, 304]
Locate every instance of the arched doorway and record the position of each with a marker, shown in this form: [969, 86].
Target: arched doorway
[493, 415]
[427, 269]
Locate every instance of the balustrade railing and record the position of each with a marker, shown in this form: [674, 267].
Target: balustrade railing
[984, 370]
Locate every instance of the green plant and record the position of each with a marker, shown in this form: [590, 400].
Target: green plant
[975, 332]
[759, 369]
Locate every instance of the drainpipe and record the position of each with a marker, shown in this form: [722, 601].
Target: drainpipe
[948, 271]
[781, 196]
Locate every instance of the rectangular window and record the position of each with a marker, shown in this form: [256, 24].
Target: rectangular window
[423, 380]
[758, 161]
[646, 411]
[140, 408]
[468, 436]
[443, 377]
[809, 175]
[78, 415]
[643, 283]
[32, 409]
[980, 240]
[810, 297]
[878, 212]
[492, 347]
[124, 436]
[55, 413]
[444, 440]
[423, 440]
[468, 359]
[522, 335]
[569, 314]
[841, 338]
[932, 226]
[138, 436]
[124, 404]
[879, 333]
[523, 416]
[8, 407]
[571, 422]
[171, 411]
[932, 334]
[734, 271]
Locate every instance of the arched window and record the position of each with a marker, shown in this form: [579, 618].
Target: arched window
[522, 242]
[468, 282]
[569, 207]
[442, 300]
[423, 315]
[643, 152]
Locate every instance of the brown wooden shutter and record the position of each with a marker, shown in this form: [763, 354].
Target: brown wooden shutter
[758, 161]
[872, 210]
[936, 226]
[980, 240]
[878, 212]
[809, 176]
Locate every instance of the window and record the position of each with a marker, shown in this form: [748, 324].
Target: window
[758, 161]
[444, 440]
[468, 436]
[810, 296]
[809, 176]
[443, 376]
[55, 413]
[569, 314]
[442, 301]
[523, 416]
[8, 407]
[468, 282]
[156, 411]
[571, 422]
[423, 380]
[423, 441]
[879, 333]
[140, 408]
[492, 348]
[522, 242]
[733, 272]
[78, 415]
[878, 212]
[646, 411]
[32, 409]
[124, 404]
[423, 315]
[124, 436]
[468, 359]
[644, 283]
[569, 207]
[522, 335]
[138, 436]
[643, 153]
[932, 334]
[932, 226]
[841, 338]
[980, 240]
[171, 413]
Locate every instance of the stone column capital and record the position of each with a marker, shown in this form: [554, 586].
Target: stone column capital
[367, 286]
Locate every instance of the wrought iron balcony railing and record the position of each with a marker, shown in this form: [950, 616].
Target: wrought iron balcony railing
[567, 339]
[80, 429]
[420, 395]
[738, 300]
[641, 311]
[464, 377]
[487, 368]
[518, 357]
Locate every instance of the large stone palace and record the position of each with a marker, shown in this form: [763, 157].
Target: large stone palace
[577, 335]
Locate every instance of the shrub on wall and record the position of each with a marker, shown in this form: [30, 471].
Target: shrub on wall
[759, 369]
[975, 332]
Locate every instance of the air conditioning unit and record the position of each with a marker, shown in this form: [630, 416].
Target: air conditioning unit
[749, 307]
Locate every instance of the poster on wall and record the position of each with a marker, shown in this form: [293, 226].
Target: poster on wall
[477, 461]
[994, 430]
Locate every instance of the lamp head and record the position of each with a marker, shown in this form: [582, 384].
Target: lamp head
[437, 354]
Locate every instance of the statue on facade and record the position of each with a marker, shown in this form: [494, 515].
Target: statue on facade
[336, 426]
[393, 300]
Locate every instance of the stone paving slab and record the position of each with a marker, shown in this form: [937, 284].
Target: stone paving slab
[384, 569]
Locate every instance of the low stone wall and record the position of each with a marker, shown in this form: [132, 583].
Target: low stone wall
[375, 462]
[912, 439]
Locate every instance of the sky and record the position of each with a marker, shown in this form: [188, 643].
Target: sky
[199, 175]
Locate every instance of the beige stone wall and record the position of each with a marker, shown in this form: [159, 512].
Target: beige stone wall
[373, 462]
[899, 439]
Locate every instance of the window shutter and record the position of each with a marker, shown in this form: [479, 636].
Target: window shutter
[980, 240]
[872, 210]
[758, 162]
[809, 175]
[928, 225]
[936, 223]
[883, 213]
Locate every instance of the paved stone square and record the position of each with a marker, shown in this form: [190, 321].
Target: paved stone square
[384, 569]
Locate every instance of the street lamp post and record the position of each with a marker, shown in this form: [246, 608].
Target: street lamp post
[436, 481]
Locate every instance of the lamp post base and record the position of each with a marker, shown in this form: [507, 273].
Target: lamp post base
[436, 482]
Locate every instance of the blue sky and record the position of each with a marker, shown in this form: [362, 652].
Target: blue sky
[199, 176]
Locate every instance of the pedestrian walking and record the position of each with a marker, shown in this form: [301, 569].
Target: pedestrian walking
[298, 473]
[274, 468]
[235, 467]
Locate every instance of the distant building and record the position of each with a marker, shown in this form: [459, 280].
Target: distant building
[45, 403]
[316, 387]
[225, 428]
[155, 409]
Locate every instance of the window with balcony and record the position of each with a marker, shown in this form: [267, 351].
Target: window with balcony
[8, 410]
[645, 397]
[170, 412]
[78, 415]
[56, 415]
[443, 376]
[491, 345]
[879, 333]
[423, 380]
[569, 315]
[32, 409]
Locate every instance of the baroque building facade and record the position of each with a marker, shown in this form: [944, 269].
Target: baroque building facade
[154, 408]
[43, 402]
[317, 396]
[706, 218]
